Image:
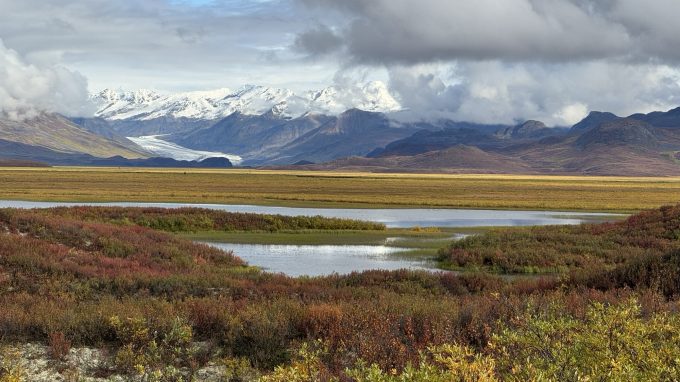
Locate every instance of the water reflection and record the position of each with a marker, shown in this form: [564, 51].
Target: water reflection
[319, 260]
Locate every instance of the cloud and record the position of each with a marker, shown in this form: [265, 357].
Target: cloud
[318, 41]
[407, 32]
[505, 61]
[483, 60]
[171, 45]
[27, 89]
[557, 94]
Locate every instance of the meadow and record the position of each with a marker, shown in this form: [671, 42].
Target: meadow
[331, 189]
[164, 307]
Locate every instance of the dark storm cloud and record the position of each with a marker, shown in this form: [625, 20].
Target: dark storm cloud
[407, 31]
[318, 41]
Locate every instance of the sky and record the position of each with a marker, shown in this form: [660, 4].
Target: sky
[486, 61]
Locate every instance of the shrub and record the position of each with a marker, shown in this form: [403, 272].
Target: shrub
[613, 342]
[239, 370]
[306, 367]
[11, 367]
[153, 355]
[58, 345]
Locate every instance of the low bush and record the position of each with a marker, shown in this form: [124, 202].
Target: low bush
[198, 219]
[559, 249]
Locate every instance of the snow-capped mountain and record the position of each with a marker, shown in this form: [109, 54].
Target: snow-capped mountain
[144, 105]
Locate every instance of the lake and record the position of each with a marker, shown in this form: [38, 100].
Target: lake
[391, 217]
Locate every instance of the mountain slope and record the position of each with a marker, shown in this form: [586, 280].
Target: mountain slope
[354, 132]
[270, 139]
[250, 136]
[528, 129]
[594, 119]
[57, 133]
[16, 151]
[135, 128]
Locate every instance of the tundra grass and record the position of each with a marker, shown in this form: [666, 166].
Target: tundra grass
[336, 189]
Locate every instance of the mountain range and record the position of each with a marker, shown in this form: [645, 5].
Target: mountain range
[601, 144]
[259, 126]
[146, 105]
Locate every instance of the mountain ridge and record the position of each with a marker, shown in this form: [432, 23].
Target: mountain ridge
[601, 144]
[144, 105]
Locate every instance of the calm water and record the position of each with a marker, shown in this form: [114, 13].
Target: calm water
[392, 217]
[319, 260]
[310, 260]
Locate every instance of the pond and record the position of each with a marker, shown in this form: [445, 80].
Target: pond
[320, 260]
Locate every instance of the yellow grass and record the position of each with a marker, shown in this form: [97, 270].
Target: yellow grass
[337, 189]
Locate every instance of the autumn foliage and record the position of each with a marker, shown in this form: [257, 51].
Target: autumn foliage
[111, 277]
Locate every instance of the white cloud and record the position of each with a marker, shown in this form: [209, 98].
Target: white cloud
[572, 114]
[28, 89]
[166, 44]
[482, 60]
[512, 60]
[557, 94]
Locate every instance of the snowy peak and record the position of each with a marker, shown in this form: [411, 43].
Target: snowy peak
[373, 96]
[250, 100]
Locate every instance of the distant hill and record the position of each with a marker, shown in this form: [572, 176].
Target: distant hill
[615, 146]
[620, 132]
[424, 141]
[456, 159]
[57, 133]
[669, 119]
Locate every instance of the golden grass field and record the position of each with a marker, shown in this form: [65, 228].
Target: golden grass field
[336, 189]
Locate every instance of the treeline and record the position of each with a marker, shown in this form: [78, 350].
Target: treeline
[89, 277]
[199, 219]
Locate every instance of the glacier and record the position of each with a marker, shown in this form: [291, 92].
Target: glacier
[157, 146]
